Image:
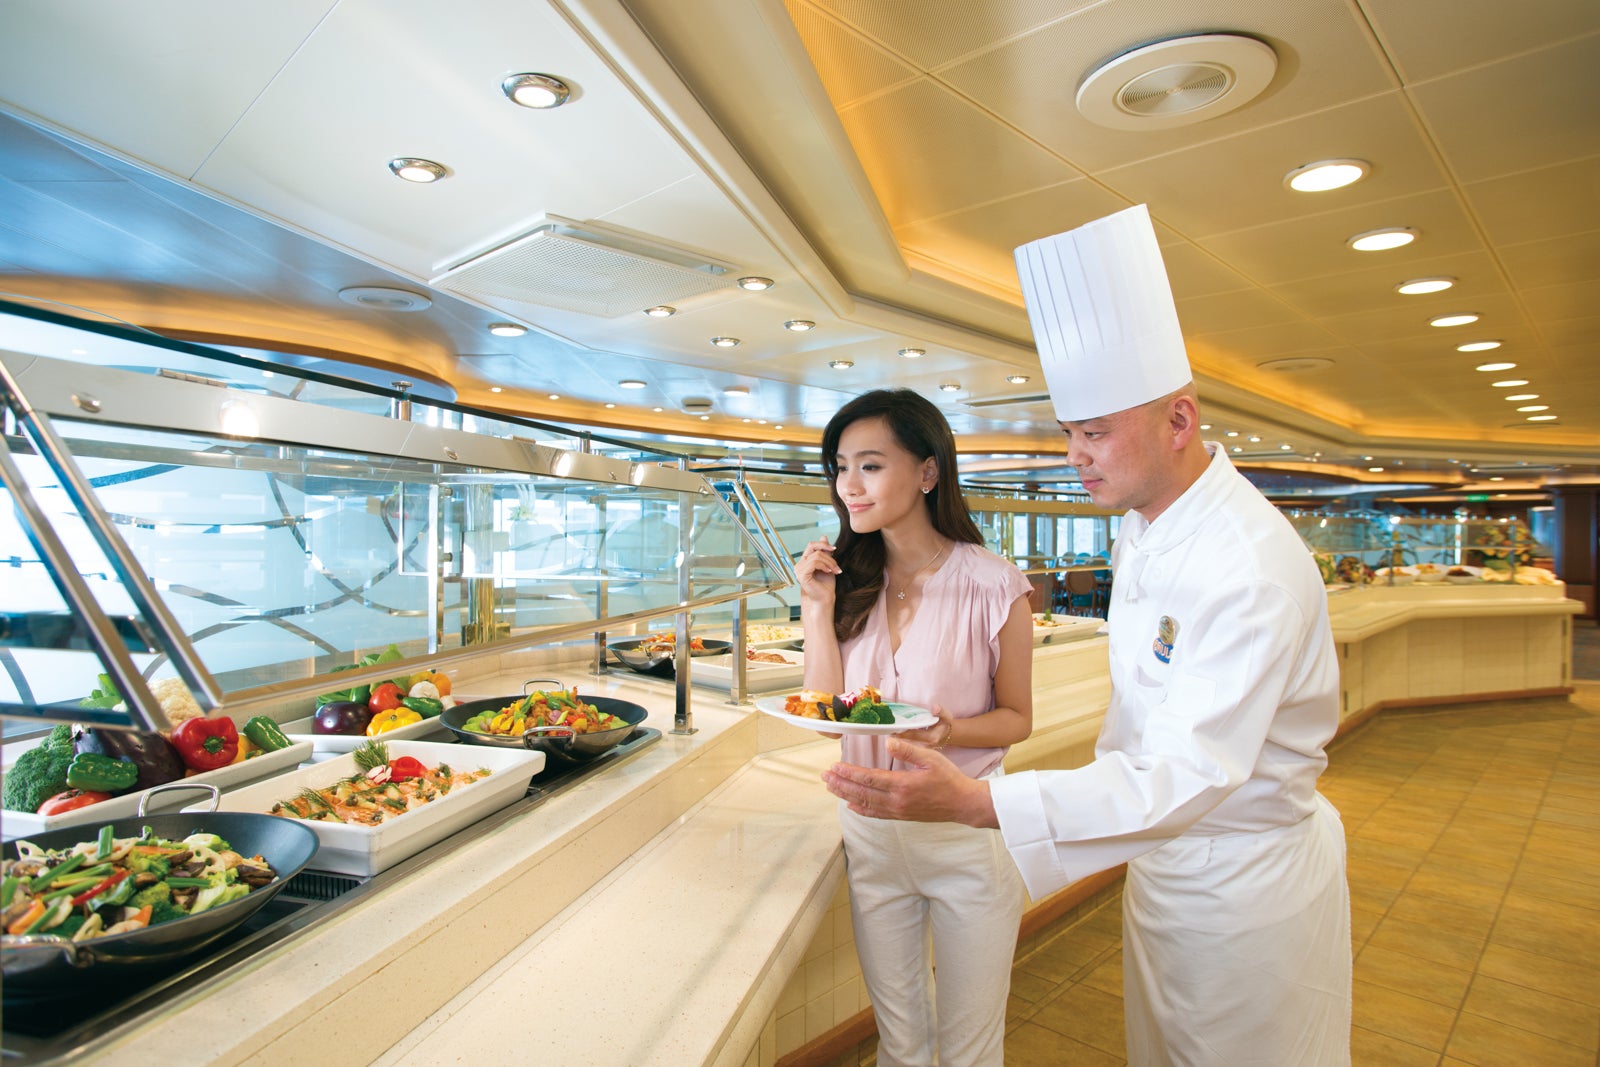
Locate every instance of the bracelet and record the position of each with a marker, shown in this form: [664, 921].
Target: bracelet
[949, 731]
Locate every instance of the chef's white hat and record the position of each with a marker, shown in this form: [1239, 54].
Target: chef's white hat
[1103, 317]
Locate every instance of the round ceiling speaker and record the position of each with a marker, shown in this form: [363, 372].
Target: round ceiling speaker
[382, 298]
[1177, 82]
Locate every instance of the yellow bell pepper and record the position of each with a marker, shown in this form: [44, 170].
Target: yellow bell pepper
[392, 719]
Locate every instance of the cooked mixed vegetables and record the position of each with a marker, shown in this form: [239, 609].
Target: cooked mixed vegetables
[544, 707]
[114, 885]
[382, 788]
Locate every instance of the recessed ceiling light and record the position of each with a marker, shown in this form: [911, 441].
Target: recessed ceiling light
[736, 390]
[494, 389]
[539, 91]
[421, 171]
[383, 298]
[778, 426]
[661, 311]
[1523, 396]
[507, 329]
[1478, 346]
[799, 325]
[1367, 458]
[655, 409]
[1497, 478]
[1327, 174]
[705, 418]
[761, 422]
[1375, 470]
[755, 284]
[1534, 407]
[1496, 366]
[1382, 240]
[609, 405]
[1510, 383]
[1017, 379]
[1253, 439]
[744, 420]
[555, 396]
[1236, 448]
[1231, 433]
[1423, 286]
[1541, 418]
[1205, 426]
[724, 342]
[1286, 448]
[949, 387]
[1461, 319]
[630, 383]
[912, 353]
[841, 364]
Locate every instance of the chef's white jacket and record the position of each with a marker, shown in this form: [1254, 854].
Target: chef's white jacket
[1224, 691]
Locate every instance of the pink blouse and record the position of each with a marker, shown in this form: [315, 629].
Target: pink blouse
[948, 654]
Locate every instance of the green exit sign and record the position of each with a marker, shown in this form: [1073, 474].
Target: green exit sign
[1474, 498]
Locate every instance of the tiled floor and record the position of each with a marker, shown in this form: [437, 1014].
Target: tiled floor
[1474, 837]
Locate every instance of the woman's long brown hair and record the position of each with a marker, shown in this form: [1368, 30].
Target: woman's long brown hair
[921, 429]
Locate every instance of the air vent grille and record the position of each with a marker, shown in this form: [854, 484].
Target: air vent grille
[588, 269]
[1174, 90]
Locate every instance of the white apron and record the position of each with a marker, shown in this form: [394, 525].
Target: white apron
[1236, 949]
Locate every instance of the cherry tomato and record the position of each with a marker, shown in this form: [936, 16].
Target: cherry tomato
[71, 800]
[406, 767]
[386, 696]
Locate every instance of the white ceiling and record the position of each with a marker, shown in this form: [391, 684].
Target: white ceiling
[218, 171]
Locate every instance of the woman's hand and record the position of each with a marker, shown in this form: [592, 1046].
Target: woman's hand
[935, 736]
[817, 573]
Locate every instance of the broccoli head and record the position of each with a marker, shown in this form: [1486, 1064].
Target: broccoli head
[39, 773]
[164, 911]
[152, 895]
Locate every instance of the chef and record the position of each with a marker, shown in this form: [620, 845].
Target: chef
[1224, 693]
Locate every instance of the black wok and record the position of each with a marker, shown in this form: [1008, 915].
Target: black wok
[41, 966]
[559, 742]
[631, 653]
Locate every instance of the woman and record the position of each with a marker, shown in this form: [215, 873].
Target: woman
[910, 603]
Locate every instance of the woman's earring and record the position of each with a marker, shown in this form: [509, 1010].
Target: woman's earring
[925, 489]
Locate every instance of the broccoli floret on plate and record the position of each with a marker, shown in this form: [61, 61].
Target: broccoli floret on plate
[39, 773]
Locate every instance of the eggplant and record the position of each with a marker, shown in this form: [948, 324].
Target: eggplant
[158, 762]
[341, 717]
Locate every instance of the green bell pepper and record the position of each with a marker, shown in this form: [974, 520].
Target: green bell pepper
[427, 707]
[100, 773]
[265, 734]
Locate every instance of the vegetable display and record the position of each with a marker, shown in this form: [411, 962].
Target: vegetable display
[39, 773]
[91, 770]
[544, 707]
[265, 734]
[206, 744]
[152, 754]
[360, 693]
[380, 789]
[342, 717]
[104, 886]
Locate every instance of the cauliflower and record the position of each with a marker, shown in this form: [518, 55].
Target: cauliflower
[176, 700]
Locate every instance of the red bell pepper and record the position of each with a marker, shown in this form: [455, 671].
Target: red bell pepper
[385, 697]
[206, 744]
[406, 767]
[109, 883]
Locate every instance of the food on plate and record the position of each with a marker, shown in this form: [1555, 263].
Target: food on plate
[1351, 569]
[864, 705]
[664, 644]
[1046, 619]
[109, 885]
[756, 655]
[1459, 572]
[544, 707]
[39, 773]
[380, 789]
[342, 717]
[1536, 576]
[151, 753]
[773, 633]
[206, 744]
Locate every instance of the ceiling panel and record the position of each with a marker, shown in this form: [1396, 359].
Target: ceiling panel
[931, 32]
[1575, 257]
[1538, 204]
[1239, 309]
[1032, 82]
[1427, 39]
[852, 66]
[1314, 245]
[1238, 182]
[198, 66]
[1475, 273]
[1516, 114]
[1574, 300]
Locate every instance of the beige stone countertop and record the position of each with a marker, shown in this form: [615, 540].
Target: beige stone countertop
[1357, 614]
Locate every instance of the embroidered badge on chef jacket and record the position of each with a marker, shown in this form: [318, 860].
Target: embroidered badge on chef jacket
[1166, 637]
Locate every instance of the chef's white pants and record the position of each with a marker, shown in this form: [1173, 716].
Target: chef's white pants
[910, 880]
[1236, 949]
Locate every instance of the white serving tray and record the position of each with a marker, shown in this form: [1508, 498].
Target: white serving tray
[1068, 628]
[15, 824]
[717, 671]
[301, 730]
[364, 851]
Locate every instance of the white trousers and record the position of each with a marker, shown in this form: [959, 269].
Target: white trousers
[910, 880]
[1236, 949]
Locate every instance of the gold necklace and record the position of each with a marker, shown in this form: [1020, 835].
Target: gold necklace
[901, 595]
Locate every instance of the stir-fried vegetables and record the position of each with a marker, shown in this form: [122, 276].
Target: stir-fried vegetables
[380, 789]
[107, 885]
[542, 707]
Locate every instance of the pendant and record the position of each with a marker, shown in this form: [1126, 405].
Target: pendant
[901, 595]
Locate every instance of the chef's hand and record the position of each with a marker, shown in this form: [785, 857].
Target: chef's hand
[817, 574]
[937, 735]
[933, 791]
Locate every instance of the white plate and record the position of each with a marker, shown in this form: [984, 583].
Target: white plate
[300, 730]
[906, 717]
[366, 850]
[766, 635]
[718, 671]
[234, 775]
[1066, 628]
